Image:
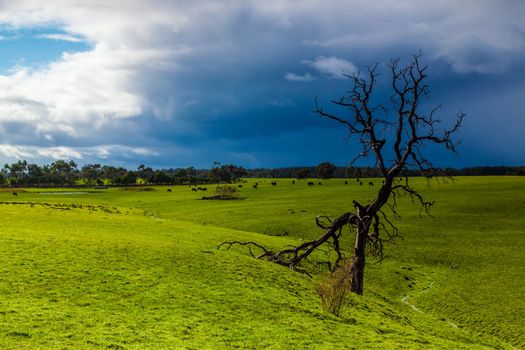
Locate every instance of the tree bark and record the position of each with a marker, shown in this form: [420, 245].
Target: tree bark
[357, 269]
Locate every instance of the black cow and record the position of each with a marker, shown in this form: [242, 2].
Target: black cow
[169, 189]
[15, 194]
[310, 183]
[370, 183]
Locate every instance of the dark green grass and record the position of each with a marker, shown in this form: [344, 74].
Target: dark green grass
[140, 270]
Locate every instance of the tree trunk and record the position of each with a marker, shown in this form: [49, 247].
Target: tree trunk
[357, 269]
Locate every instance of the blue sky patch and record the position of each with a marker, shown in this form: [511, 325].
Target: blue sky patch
[36, 47]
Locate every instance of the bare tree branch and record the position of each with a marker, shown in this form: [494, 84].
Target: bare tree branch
[371, 123]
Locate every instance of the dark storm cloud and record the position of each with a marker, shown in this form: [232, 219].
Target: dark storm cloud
[190, 83]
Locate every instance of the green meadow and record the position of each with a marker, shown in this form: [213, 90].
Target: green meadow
[138, 268]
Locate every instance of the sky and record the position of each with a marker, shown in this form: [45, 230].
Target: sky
[188, 83]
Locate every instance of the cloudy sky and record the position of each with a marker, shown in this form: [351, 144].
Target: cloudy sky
[179, 83]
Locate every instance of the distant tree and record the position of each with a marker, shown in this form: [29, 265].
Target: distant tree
[181, 174]
[35, 175]
[111, 174]
[127, 178]
[63, 172]
[219, 174]
[351, 171]
[16, 173]
[302, 173]
[237, 172]
[90, 173]
[145, 173]
[325, 170]
[400, 133]
[161, 178]
[227, 173]
[191, 173]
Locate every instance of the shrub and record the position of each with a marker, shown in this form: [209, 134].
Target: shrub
[333, 289]
[224, 192]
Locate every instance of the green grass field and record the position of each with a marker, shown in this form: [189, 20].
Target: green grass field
[127, 269]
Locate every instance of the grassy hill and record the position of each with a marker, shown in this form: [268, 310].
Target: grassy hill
[132, 269]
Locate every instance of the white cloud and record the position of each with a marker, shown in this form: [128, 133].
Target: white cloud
[16, 152]
[84, 91]
[81, 91]
[60, 37]
[144, 151]
[301, 78]
[59, 153]
[67, 153]
[332, 66]
[102, 152]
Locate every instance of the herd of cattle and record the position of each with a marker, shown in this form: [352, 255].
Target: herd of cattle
[256, 185]
[274, 183]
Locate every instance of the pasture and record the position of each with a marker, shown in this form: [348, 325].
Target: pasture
[138, 268]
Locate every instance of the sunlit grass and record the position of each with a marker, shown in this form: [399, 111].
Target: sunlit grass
[127, 269]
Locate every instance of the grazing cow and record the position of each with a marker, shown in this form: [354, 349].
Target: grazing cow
[204, 189]
[240, 186]
[274, 183]
[169, 189]
[194, 190]
[320, 183]
[357, 180]
[310, 183]
[360, 183]
[255, 186]
[346, 182]
[370, 183]
[15, 194]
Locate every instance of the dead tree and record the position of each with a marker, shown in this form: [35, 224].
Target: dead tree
[373, 125]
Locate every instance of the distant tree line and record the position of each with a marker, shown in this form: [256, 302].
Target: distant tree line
[67, 173]
[63, 173]
[366, 172]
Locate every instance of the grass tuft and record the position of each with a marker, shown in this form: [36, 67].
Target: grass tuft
[334, 289]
